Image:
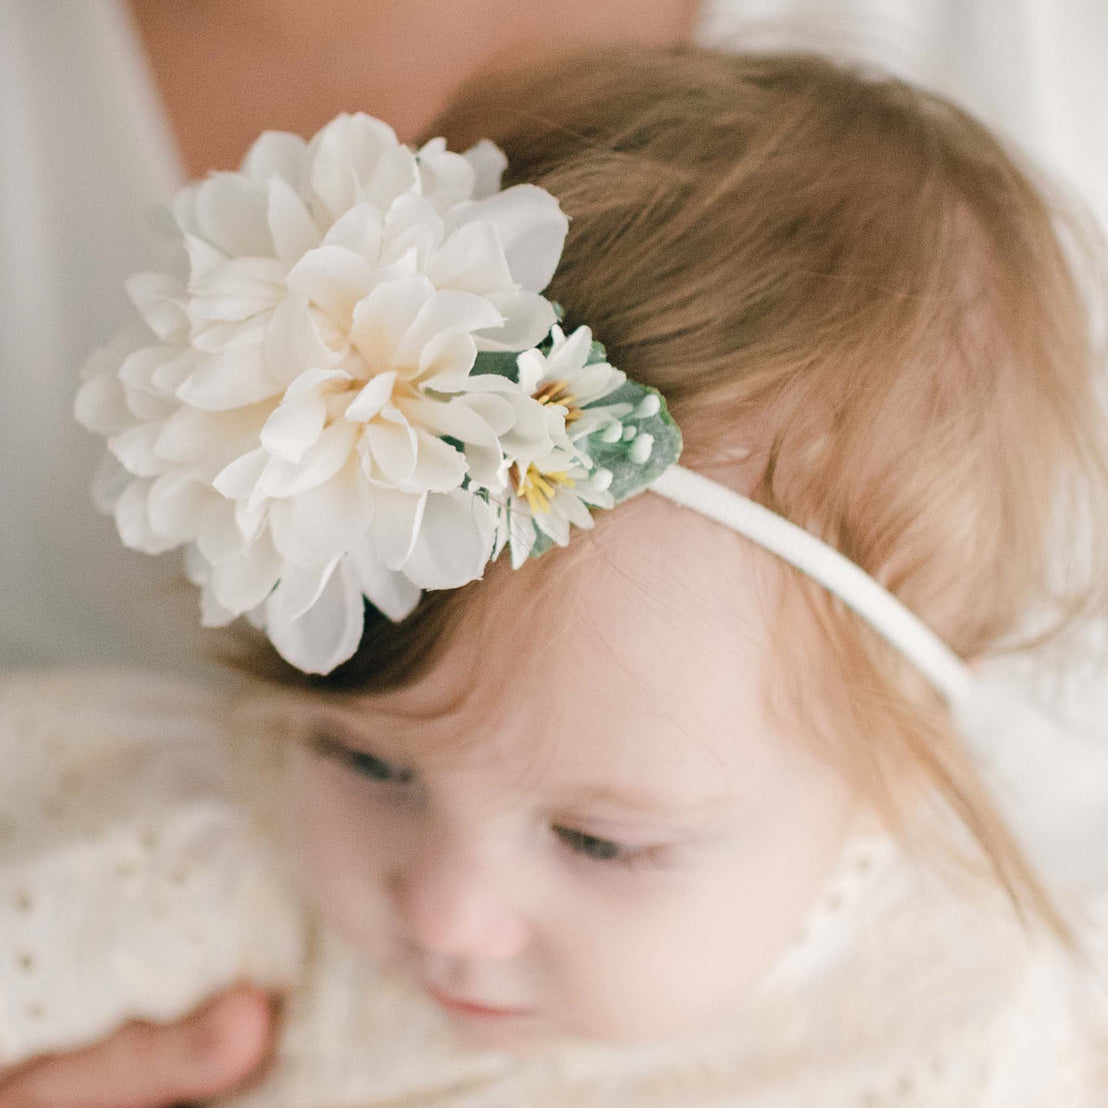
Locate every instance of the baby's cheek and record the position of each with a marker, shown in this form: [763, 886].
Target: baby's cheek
[336, 849]
[687, 955]
[656, 984]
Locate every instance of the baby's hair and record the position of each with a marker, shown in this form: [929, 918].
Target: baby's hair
[865, 314]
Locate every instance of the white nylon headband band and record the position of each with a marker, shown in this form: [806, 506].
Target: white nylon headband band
[831, 569]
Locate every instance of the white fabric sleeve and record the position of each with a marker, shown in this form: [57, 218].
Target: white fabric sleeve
[132, 886]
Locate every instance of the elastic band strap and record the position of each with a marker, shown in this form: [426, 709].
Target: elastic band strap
[831, 569]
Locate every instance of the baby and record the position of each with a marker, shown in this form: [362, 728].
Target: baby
[656, 817]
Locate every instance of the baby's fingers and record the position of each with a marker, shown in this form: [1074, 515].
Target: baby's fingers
[150, 1066]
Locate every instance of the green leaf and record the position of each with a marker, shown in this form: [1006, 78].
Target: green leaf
[628, 476]
[500, 362]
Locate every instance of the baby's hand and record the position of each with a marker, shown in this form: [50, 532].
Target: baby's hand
[147, 1065]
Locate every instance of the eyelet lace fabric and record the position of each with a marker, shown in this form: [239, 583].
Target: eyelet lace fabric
[131, 884]
[135, 882]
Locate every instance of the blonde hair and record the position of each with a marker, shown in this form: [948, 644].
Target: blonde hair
[858, 305]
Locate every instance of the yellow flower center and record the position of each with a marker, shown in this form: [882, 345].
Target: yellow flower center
[537, 488]
[557, 392]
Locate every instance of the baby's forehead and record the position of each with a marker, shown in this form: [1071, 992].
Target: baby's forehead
[645, 639]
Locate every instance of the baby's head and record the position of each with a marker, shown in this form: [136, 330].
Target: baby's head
[602, 789]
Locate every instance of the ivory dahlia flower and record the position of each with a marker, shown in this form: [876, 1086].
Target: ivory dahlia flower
[301, 411]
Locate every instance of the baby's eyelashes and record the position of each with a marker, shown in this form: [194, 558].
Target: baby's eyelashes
[361, 761]
[592, 846]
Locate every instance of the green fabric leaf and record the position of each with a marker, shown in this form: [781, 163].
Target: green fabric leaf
[628, 476]
[500, 362]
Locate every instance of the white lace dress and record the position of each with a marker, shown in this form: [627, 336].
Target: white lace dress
[133, 884]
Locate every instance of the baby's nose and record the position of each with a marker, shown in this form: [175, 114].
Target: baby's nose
[450, 905]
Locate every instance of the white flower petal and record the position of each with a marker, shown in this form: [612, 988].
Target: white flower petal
[594, 382]
[568, 355]
[197, 568]
[381, 319]
[592, 494]
[392, 443]
[373, 397]
[233, 379]
[101, 406]
[238, 480]
[214, 336]
[292, 341]
[390, 592]
[171, 373]
[532, 434]
[446, 361]
[489, 163]
[135, 450]
[291, 226]
[300, 587]
[319, 525]
[108, 484]
[457, 419]
[160, 299]
[332, 451]
[439, 466]
[570, 504]
[204, 258]
[527, 321]
[147, 406]
[333, 277]
[243, 582]
[532, 370]
[212, 613]
[396, 521]
[532, 230]
[553, 524]
[277, 153]
[250, 517]
[454, 542]
[445, 311]
[237, 290]
[218, 536]
[105, 360]
[140, 367]
[446, 178]
[356, 157]
[522, 536]
[310, 380]
[295, 426]
[174, 504]
[472, 259]
[133, 521]
[412, 227]
[359, 230]
[324, 636]
[231, 215]
[191, 434]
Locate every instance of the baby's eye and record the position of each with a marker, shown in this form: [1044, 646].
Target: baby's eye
[591, 846]
[362, 762]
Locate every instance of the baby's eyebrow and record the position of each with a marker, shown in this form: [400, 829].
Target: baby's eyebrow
[651, 802]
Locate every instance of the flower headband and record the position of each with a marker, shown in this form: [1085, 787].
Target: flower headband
[358, 392]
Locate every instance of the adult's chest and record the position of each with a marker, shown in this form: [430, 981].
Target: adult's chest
[227, 72]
